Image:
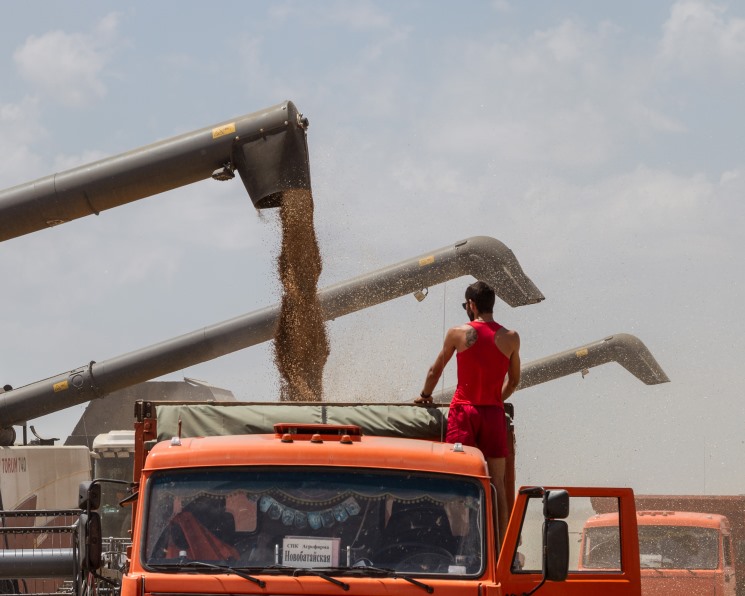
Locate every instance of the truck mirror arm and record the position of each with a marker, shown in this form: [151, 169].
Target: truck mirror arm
[555, 536]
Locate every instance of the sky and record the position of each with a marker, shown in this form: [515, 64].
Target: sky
[601, 142]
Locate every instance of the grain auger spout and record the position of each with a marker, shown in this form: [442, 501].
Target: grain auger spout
[268, 148]
[627, 350]
[481, 257]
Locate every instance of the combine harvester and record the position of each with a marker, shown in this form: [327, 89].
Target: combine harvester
[269, 151]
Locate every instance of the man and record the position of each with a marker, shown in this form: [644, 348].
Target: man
[488, 357]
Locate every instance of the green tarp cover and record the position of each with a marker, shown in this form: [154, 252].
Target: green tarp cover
[236, 418]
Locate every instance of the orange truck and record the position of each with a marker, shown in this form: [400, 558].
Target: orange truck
[681, 552]
[732, 507]
[322, 498]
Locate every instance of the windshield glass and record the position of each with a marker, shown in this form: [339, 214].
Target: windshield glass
[115, 519]
[315, 519]
[678, 547]
[662, 547]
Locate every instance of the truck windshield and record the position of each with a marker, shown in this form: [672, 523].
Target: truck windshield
[319, 518]
[663, 547]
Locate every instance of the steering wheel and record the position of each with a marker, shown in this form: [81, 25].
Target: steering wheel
[415, 557]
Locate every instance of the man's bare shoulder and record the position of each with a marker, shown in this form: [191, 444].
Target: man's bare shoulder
[462, 336]
[508, 332]
[508, 336]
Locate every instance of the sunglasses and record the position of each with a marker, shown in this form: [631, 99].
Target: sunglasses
[464, 305]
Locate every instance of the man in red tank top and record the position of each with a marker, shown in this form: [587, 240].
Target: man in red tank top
[488, 357]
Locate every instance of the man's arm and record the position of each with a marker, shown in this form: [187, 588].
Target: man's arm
[512, 379]
[435, 371]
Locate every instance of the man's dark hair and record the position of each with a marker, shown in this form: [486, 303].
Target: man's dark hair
[482, 295]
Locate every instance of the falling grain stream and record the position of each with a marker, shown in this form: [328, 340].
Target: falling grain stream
[300, 344]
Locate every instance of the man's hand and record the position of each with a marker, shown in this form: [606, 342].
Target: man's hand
[423, 400]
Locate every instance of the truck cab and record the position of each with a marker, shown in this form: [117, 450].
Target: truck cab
[326, 508]
[311, 500]
[680, 552]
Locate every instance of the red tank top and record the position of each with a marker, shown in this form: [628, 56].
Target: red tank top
[481, 368]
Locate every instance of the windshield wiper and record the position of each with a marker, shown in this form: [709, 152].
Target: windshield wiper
[296, 571]
[202, 565]
[369, 570]
[320, 573]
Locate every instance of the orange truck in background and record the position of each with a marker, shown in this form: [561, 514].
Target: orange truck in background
[730, 506]
[345, 498]
[681, 552]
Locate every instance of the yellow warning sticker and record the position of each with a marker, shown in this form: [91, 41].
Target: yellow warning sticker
[427, 260]
[582, 352]
[221, 131]
[61, 386]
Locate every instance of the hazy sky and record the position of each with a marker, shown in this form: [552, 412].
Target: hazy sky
[601, 142]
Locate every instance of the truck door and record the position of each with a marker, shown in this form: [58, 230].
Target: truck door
[609, 565]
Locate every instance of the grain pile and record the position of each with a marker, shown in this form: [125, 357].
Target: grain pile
[300, 344]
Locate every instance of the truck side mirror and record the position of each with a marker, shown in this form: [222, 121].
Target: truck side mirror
[740, 554]
[89, 495]
[556, 504]
[555, 535]
[89, 541]
[556, 550]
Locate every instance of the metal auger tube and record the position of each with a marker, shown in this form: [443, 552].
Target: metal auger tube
[627, 350]
[482, 257]
[36, 563]
[268, 148]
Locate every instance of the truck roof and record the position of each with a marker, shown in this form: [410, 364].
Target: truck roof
[115, 441]
[329, 450]
[664, 518]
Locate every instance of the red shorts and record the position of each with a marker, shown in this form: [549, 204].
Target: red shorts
[484, 427]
